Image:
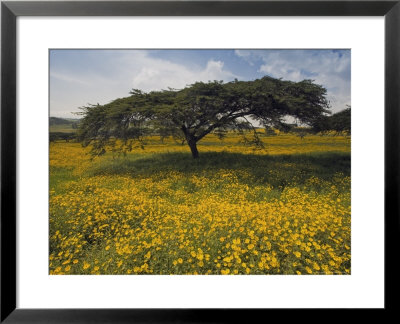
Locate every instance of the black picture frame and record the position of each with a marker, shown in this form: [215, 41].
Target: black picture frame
[10, 10]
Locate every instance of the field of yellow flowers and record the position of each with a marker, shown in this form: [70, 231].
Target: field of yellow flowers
[235, 210]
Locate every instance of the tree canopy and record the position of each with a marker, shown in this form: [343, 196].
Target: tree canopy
[191, 113]
[339, 122]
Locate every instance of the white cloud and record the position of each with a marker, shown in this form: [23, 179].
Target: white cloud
[101, 76]
[246, 55]
[328, 68]
[119, 72]
[159, 74]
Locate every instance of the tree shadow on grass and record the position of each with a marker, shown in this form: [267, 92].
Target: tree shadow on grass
[275, 170]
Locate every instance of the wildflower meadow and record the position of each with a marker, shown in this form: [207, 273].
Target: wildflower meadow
[236, 210]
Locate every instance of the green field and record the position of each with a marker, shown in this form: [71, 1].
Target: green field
[235, 210]
[61, 129]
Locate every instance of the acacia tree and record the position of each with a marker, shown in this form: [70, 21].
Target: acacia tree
[191, 113]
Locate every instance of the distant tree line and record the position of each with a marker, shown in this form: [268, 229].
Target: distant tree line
[60, 136]
[339, 122]
[63, 121]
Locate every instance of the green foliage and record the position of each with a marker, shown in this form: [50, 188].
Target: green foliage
[273, 170]
[199, 109]
[61, 136]
[339, 122]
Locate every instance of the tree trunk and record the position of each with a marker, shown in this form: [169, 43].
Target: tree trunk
[192, 142]
[193, 148]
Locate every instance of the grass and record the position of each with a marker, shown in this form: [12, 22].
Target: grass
[283, 210]
[62, 128]
[275, 170]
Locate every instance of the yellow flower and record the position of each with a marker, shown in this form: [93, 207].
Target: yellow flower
[100, 209]
[308, 270]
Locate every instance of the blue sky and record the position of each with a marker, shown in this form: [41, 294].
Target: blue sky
[80, 77]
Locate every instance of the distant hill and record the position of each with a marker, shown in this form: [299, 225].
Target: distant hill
[63, 125]
[62, 121]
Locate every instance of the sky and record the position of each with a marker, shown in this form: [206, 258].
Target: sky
[82, 77]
